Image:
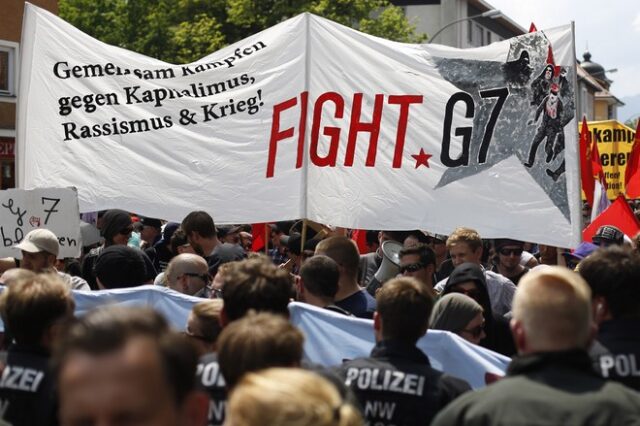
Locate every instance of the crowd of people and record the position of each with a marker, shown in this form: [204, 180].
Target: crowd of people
[568, 319]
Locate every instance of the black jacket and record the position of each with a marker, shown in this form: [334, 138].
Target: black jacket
[616, 354]
[554, 388]
[397, 385]
[26, 389]
[209, 379]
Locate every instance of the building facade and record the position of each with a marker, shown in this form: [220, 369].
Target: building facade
[10, 32]
[432, 15]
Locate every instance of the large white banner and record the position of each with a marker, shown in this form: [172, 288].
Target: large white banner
[310, 119]
[55, 209]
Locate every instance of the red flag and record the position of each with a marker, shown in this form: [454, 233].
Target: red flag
[632, 174]
[360, 237]
[618, 214]
[550, 59]
[586, 166]
[258, 231]
[532, 28]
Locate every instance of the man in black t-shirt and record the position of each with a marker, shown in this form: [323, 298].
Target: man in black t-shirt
[203, 237]
[508, 254]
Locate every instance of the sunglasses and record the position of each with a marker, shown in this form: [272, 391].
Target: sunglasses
[412, 267]
[204, 277]
[509, 252]
[475, 332]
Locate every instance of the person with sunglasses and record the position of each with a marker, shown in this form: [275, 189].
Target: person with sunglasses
[419, 262]
[507, 261]
[469, 279]
[188, 274]
[461, 315]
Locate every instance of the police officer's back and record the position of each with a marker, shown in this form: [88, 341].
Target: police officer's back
[32, 309]
[396, 385]
[614, 277]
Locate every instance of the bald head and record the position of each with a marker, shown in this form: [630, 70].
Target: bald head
[185, 273]
[552, 311]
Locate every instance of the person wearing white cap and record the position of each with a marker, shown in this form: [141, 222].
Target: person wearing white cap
[40, 249]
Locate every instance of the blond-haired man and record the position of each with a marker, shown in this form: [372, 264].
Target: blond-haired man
[465, 245]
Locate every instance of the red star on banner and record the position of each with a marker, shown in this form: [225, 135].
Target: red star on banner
[422, 159]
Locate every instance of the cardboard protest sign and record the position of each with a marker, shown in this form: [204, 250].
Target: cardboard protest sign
[55, 209]
[310, 119]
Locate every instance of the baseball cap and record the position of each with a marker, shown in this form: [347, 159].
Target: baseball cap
[40, 240]
[608, 235]
[224, 230]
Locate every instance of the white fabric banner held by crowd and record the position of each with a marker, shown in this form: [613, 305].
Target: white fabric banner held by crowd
[310, 119]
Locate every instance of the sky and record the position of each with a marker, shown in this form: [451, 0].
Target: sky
[610, 29]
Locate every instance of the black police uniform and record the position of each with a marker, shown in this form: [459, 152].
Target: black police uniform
[397, 385]
[26, 388]
[209, 378]
[616, 354]
[545, 389]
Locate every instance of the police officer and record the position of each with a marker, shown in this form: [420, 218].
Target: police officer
[396, 385]
[209, 379]
[613, 274]
[33, 309]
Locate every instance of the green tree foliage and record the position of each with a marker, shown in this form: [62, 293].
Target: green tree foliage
[182, 31]
[632, 122]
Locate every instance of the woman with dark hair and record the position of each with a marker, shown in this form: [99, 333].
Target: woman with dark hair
[468, 279]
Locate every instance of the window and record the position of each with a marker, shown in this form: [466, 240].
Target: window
[480, 32]
[7, 68]
[488, 37]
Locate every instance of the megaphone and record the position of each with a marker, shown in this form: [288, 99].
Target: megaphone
[390, 266]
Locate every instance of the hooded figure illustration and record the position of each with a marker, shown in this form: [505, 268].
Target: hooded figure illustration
[541, 84]
[551, 128]
[468, 278]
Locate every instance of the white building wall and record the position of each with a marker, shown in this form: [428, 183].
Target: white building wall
[429, 19]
